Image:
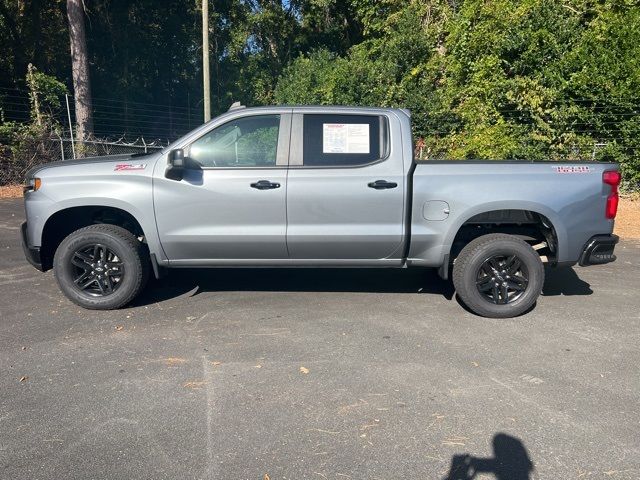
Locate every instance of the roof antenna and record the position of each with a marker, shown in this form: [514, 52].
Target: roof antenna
[236, 106]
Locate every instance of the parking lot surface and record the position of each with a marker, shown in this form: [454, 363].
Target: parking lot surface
[319, 374]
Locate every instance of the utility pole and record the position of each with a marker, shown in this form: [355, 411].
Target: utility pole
[205, 60]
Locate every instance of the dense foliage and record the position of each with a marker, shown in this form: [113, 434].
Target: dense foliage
[497, 79]
[529, 79]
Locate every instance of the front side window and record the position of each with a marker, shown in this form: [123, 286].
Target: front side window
[244, 142]
[342, 140]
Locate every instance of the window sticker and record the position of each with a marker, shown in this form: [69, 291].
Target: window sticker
[345, 138]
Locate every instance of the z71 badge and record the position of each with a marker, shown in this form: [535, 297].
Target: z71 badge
[572, 169]
[130, 166]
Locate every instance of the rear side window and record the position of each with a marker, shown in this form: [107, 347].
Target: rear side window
[343, 140]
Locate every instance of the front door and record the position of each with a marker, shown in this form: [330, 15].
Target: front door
[230, 206]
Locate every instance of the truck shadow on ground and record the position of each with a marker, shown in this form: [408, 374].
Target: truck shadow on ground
[510, 461]
[560, 281]
[557, 281]
[181, 281]
[564, 281]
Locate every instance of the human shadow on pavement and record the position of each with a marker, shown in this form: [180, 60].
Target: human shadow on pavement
[194, 281]
[564, 281]
[510, 461]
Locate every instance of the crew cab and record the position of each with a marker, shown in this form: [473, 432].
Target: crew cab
[315, 186]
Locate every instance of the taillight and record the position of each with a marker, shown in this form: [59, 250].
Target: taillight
[612, 178]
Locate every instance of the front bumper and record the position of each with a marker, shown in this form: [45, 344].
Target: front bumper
[32, 253]
[598, 250]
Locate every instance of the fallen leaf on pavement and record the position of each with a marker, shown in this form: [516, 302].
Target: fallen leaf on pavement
[195, 384]
[175, 361]
[455, 441]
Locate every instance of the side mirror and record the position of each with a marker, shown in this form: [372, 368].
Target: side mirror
[176, 159]
[176, 168]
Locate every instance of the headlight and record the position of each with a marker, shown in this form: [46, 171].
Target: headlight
[32, 185]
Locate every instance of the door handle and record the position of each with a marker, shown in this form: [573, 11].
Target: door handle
[265, 185]
[382, 184]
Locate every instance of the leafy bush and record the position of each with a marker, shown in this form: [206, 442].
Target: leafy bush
[24, 145]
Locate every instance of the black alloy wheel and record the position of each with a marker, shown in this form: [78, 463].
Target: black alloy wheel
[502, 279]
[97, 270]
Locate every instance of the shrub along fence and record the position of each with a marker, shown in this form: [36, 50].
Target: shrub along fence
[16, 160]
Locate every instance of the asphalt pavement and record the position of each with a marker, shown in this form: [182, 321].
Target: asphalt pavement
[319, 374]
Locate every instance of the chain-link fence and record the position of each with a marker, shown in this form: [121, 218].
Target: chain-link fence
[32, 150]
[29, 138]
[28, 150]
[574, 153]
[604, 132]
[69, 149]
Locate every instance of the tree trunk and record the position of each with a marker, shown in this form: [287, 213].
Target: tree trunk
[80, 70]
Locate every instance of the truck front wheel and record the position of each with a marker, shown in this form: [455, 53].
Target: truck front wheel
[498, 276]
[101, 267]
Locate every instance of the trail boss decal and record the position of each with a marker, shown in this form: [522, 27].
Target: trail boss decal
[572, 169]
[129, 166]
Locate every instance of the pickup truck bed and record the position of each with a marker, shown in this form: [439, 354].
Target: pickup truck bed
[571, 200]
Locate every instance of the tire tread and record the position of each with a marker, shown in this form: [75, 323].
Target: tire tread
[461, 266]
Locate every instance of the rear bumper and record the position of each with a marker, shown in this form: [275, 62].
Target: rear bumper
[32, 253]
[598, 250]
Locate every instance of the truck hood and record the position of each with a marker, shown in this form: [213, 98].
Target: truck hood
[127, 158]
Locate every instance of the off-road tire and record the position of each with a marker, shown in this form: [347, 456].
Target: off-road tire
[132, 253]
[472, 257]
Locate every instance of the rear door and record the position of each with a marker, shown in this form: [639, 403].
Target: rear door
[345, 189]
[230, 207]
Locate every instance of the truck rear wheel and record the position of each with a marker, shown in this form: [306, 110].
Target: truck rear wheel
[498, 276]
[101, 267]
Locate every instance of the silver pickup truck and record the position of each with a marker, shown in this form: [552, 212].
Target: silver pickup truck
[315, 187]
